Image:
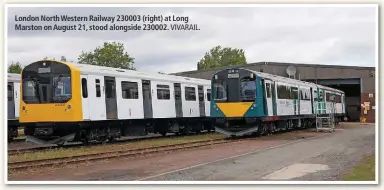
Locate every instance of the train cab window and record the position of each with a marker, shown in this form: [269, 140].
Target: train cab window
[110, 91]
[190, 94]
[98, 91]
[129, 90]
[247, 89]
[315, 95]
[163, 92]
[219, 91]
[84, 87]
[10, 93]
[209, 95]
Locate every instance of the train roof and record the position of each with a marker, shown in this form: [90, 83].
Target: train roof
[110, 71]
[13, 77]
[291, 80]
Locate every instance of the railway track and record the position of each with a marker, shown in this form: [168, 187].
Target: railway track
[53, 147]
[51, 162]
[23, 165]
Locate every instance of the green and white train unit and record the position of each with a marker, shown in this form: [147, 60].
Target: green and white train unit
[246, 102]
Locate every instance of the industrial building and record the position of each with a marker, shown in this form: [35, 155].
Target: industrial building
[358, 83]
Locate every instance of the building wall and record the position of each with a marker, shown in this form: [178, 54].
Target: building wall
[310, 72]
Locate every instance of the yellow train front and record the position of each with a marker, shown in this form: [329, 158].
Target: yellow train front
[50, 106]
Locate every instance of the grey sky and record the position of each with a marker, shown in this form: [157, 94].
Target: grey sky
[339, 35]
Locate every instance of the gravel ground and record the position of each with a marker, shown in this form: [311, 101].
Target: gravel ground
[25, 145]
[336, 153]
[261, 159]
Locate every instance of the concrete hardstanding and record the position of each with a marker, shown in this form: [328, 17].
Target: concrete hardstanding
[330, 156]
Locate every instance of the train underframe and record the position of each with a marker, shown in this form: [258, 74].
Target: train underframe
[236, 127]
[101, 131]
[13, 126]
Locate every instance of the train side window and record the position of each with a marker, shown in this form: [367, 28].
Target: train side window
[294, 93]
[129, 90]
[10, 93]
[304, 94]
[283, 92]
[98, 92]
[84, 87]
[190, 94]
[328, 97]
[209, 95]
[268, 89]
[307, 95]
[201, 96]
[163, 92]
[338, 98]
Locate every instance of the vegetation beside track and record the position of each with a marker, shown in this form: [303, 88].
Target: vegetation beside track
[66, 152]
[364, 171]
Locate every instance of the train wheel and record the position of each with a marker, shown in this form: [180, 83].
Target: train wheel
[85, 141]
[60, 144]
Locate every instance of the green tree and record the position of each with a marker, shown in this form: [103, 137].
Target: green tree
[110, 55]
[63, 58]
[219, 57]
[15, 68]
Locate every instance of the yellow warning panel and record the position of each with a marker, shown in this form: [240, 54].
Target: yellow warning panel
[237, 109]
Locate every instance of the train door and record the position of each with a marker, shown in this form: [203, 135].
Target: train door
[178, 102]
[312, 102]
[208, 103]
[96, 97]
[16, 94]
[274, 99]
[200, 90]
[84, 95]
[343, 103]
[315, 101]
[268, 95]
[110, 97]
[11, 101]
[147, 99]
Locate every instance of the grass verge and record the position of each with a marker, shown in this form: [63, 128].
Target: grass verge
[65, 152]
[364, 171]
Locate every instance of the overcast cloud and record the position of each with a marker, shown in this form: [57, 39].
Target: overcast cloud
[339, 36]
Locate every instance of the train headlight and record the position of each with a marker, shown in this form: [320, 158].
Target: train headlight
[23, 108]
[69, 106]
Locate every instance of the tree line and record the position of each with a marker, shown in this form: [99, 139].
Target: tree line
[113, 54]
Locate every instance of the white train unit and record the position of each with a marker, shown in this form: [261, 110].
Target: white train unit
[77, 102]
[13, 89]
